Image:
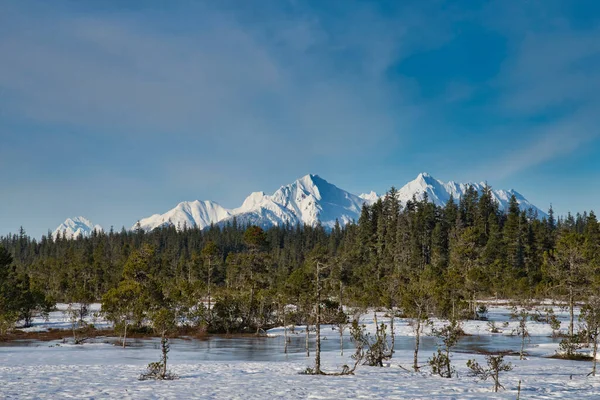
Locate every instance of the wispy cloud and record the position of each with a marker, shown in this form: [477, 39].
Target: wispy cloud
[556, 139]
[219, 85]
[547, 91]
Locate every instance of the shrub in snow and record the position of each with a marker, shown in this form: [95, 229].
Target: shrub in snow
[378, 350]
[482, 312]
[158, 370]
[495, 365]
[521, 316]
[492, 327]
[81, 329]
[440, 361]
[163, 321]
[569, 346]
[547, 316]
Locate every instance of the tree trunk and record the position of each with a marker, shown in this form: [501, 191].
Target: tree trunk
[341, 310]
[125, 335]
[318, 325]
[318, 342]
[306, 344]
[448, 366]
[393, 333]
[522, 345]
[571, 311]
[496, 380]
[595, 354]
[285, 334]
[417, 340]
[163, 342]
[208, 289]
[375, 320]
[341, 339]
[453, 316]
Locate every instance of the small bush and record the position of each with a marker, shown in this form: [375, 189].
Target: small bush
[495, 365]
[568, 348]
[155, 371]
[493, 328]
[158, 370]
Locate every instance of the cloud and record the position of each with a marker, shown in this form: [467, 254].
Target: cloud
[553, 69]
[556, 139]
[224, 84]
[547, 90]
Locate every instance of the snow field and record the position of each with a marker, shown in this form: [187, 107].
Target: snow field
[52, 370]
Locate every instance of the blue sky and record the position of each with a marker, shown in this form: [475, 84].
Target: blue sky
[116, 110]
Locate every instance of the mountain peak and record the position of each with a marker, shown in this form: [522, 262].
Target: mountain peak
[439, 192]
[311, 180]
[426, 178]
[369, 198]
[253, 199]
[73, 227]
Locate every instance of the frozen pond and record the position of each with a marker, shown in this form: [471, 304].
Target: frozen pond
[250, 348]
[236, 348]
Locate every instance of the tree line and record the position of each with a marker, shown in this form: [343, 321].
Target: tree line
[417, 258]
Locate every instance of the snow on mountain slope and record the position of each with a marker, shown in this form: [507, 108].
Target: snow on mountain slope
[191, 214]
[311, 200]
[439, 193]
[369, 198]
[73, 227]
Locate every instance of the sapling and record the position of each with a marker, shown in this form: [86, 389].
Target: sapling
[548, 317]
[163, 321]
[158, 370]
[568, 347]
[341, 321]
[378, 349]
[75, 315]
[357, 335]
[492, 327]
[495, 365]
[521, 316]
[440, 361]
[416, 304]
[360, 340]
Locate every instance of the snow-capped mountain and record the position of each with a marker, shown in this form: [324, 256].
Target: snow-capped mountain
[73, 227]
[439, 193]
[191, 214]
[309, 200]
[369, 198]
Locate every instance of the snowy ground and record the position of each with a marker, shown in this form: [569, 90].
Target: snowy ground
[220, 368]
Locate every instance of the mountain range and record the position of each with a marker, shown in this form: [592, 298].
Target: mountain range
[309, 200]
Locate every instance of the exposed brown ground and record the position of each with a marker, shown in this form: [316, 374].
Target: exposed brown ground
[110, 334]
